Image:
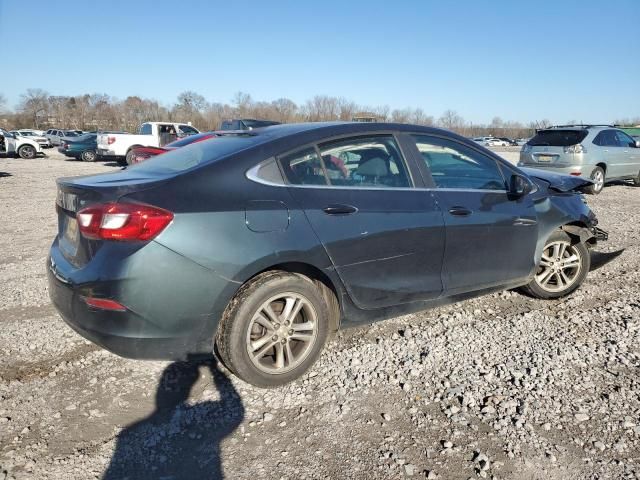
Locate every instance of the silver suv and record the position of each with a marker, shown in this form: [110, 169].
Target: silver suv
[601, 153]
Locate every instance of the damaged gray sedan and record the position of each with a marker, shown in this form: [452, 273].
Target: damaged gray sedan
[260, 244]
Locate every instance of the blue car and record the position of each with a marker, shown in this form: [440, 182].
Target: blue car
[259, 244]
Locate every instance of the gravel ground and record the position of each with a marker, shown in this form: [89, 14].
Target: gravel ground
[502, 386]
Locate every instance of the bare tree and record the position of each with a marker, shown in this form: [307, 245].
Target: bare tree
[34, 103]
[420, 118]
[284, 110]
[322, 108]
[3, 103]
[242, 102]
[401, 116]
[451, 120]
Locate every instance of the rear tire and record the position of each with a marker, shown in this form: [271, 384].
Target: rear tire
[88, 156]
[27, 152]
[274, 329]
[129, 157]
[563, 267]
[598, 177]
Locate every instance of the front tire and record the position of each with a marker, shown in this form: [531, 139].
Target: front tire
[563, 267]
[598, 177]
[27, 152]
[88, 156]
[274, 329]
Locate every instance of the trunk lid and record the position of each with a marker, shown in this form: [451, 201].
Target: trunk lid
[77, 193]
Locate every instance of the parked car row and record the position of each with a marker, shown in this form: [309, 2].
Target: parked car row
[602, 153]
[491, 141]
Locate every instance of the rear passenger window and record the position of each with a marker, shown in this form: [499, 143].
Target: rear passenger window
[303, 168]
[363, 162]
[454, 165]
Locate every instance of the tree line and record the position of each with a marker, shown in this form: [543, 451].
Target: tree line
[99, 111]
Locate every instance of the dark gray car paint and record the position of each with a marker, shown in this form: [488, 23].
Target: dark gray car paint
[227, 228]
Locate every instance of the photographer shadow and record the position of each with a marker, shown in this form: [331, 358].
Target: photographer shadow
[179, 440]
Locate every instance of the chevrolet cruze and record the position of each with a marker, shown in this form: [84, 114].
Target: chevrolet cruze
[259, 245]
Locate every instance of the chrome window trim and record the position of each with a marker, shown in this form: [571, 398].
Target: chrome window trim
[252, 174]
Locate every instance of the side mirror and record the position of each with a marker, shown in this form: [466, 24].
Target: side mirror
[519, 186]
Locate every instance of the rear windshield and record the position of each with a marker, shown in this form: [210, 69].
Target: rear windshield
[258, 123]
[190, 139]
[558, 138]
[197, 154]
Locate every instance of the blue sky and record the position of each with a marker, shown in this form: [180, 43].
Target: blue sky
[560, 60]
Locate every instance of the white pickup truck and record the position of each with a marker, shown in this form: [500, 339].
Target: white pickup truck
[150, 134]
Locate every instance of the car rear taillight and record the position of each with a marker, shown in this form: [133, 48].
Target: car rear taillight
[123, 221]
[575, 149]
[111, 140]
[104, 304]
[65, 145]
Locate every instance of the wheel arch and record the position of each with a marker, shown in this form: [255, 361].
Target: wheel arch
[579, 232]
[132, 147]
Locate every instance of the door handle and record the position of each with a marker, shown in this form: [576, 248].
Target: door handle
[339, 209]
[524, 222]
[460, 211]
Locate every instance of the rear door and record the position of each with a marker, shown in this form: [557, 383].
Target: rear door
[384, 237]
[490, 237]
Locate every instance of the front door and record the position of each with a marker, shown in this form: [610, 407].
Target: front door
[628, 156]
[490, 237]
[384, 238]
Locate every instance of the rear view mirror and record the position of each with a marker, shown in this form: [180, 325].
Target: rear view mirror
[519, 186]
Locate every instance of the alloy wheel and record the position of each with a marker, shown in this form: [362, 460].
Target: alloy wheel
[27, 152]
[282, 333]
[598, 180]
[560, 266]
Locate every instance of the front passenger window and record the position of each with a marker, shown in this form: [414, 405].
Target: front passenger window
[454, 165]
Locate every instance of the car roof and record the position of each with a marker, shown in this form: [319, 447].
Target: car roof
[327, 129]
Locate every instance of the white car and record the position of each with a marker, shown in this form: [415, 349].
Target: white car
[496, 142]
[150, 134]
[11, 144]
[33, 135]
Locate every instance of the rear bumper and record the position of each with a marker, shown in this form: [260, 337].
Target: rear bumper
[169, 302]
[103, 152]
[565, 169]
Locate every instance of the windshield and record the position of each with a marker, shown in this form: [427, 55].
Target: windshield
[187, 130]
[26, 134]
[70, 134]
[557, 138]
[86, 137]
[196, 154]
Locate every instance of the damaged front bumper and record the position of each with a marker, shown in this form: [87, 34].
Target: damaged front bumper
[599, 234]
